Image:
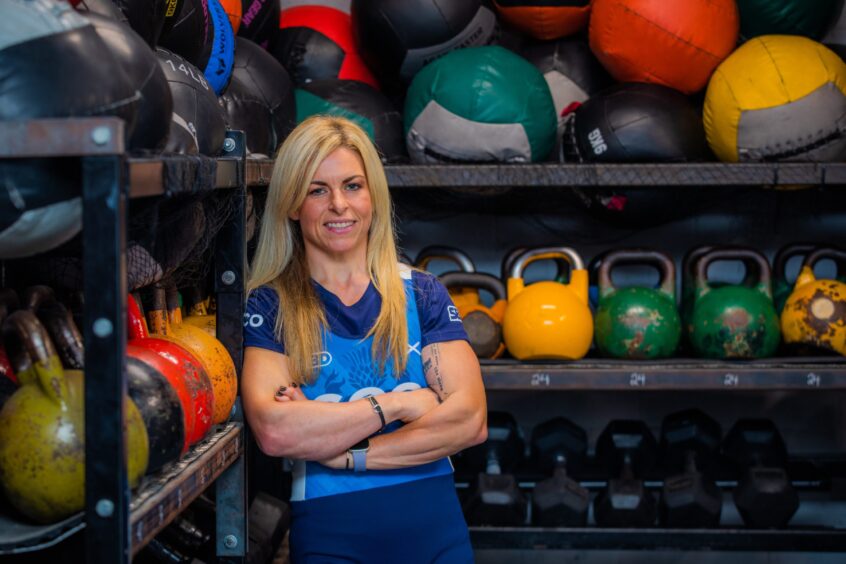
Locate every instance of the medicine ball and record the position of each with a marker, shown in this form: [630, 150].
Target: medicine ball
[218, 70]
[246, 111]
[479, 104]
[259, 20]
[146, 17]
[233, 12]
[545, 19]
[399, 37]
[265, 77]
[359, 102]
[142, 68]
[786, 17]
[778, 97]
[677, 44]
[835, 37]
[191, 34]
[105, 8]
[197, 124]
[571, 71]
[315, 42]
[52, 64]
[635, 122]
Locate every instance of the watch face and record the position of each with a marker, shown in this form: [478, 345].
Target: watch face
[363, 444]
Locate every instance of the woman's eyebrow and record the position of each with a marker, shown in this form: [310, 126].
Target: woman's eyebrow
[344, 181]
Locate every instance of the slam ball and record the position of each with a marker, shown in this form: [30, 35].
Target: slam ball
[197, 124]
[52, 64]
[259, 20]
[315, 42]
[479, 104]
[778, 97]
[360, 103]
[677, 44]
[191, 33]
[399, 37]
[786, 17]
[545, 19]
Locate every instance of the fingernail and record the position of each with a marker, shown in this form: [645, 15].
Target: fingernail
[281, 390]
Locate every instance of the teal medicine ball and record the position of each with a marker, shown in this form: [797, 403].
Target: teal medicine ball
[810, 18]
[479, 104]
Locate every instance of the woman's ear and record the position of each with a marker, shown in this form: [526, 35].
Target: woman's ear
[294, 215]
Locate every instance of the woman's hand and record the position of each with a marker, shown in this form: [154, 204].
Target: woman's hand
[289, 393]
[417, 403]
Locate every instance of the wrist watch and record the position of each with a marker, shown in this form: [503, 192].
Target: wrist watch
[359, 455]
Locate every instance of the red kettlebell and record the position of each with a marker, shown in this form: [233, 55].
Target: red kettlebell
[8, 304]
[184, 372]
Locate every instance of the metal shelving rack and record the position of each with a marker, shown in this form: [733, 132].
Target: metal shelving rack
[117, 524]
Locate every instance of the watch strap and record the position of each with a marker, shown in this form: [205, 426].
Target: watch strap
[359, 460]
[378, 409]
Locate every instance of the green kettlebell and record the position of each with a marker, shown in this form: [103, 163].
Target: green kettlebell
[735, 320]
[637, 322]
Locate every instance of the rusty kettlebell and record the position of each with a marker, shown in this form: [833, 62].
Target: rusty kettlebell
[483, 324]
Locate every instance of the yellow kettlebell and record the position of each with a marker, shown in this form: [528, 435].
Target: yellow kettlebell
[461, 297]
[198, 313]
[548, 320]
[815, 312]
[42, 428]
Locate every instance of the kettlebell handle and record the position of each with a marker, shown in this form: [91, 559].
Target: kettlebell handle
[59, 324]
[827, 252]
[744, 254]
[544, 253]
[561, 264]
[32, 354]
[784, 255]
[478, 280]
[664, 264]
[460, 258]
[135, 319]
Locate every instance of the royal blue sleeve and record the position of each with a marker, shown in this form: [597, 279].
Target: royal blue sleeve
[260, 318]
[439, 319]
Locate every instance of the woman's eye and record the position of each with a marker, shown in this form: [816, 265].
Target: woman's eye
[353, 186]
[316, 191]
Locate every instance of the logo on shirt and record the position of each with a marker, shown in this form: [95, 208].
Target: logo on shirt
[253, 320]
[453, 314]
[414, 348]
[321, 359]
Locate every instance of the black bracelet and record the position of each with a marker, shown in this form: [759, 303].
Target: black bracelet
[378, 409]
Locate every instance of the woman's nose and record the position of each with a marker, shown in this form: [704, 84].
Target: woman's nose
[338, 201]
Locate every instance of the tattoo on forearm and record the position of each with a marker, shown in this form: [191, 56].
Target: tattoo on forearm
[432, 369]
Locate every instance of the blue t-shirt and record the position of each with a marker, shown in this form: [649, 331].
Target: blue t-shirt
[347, 371]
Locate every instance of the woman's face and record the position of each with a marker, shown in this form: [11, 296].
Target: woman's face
[336, 214]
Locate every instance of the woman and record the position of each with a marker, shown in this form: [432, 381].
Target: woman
[366, 379]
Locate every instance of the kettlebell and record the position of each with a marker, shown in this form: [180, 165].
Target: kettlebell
[42, 428]
[548, 320]
[8, 380]
[637, 322]
[460, 296]
[734, 321]
[593, 277]
[561, 271]
[218, 364]
[198, 313]
[182, 370]
[148, 388]
[483, 324]
[815, 312]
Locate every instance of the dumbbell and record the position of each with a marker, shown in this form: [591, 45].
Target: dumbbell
[495, 498]
[764, 496]
[627, 448]
[558, 445]
[690, 440]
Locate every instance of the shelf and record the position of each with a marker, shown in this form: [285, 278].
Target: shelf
[157, 502]
[164, 496]
[180, 174]
[811, 373]
[529, 538]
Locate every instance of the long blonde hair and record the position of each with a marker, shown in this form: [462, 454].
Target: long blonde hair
[280, 260]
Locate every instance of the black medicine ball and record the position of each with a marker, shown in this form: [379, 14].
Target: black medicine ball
[636, 122]
[198, 124]
[259, 20]
[191, 34]
[246, 111]
[266, 78]
[142, 68]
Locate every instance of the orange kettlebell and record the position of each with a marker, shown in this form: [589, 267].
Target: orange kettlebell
[483, 324]
[460, 296]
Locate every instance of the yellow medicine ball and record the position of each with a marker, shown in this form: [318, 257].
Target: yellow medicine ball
[778, 98]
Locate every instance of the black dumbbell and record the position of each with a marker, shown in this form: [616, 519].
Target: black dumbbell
[764, 495]
[690, 440]
[495, 498]
[628, 449]
[559, 501]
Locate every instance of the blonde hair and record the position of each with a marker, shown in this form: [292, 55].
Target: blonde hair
[280, 261]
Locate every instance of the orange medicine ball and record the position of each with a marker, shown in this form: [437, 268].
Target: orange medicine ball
[545, 19]
[677, 44]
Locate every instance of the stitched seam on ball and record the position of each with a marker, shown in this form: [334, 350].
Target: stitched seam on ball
[668, 32]
[778, 72]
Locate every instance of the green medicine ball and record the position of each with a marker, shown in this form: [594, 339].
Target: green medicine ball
[810, 18]
[479, 104]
